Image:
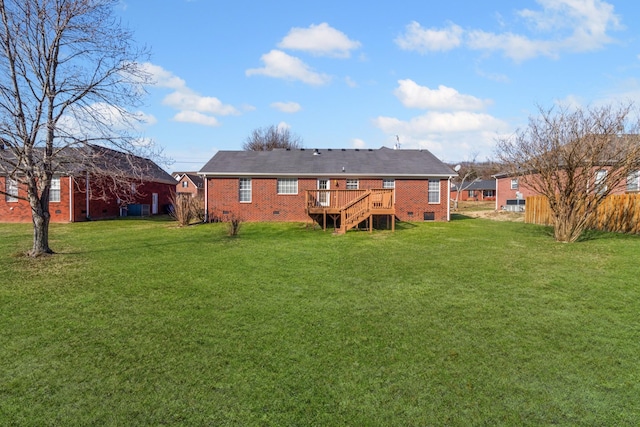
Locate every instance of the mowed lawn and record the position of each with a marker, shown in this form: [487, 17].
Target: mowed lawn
[472, 322]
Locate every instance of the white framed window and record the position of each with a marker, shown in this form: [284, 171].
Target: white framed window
[514, 183]
[633, 181]
[353, 184]
[244, 192]
[472, 193]
[287, 185]
[599, 182]
[388, 183]
[185, 184]
[11, 188]
[54, 190]
[434, 191]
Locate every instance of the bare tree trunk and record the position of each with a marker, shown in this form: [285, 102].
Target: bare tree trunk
[41, 218]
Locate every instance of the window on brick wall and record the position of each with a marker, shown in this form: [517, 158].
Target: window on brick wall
[287, 186]
[11, 188]
[244, 193]
[514, 184]
[54, 190]
[388, 183]
[352, 184]
[633, 182]
[600, 180]
[434, 191]
[185, 184]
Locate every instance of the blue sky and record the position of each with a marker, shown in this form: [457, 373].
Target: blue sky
[449, 76]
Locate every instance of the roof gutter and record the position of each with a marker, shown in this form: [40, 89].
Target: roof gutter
[322, 174]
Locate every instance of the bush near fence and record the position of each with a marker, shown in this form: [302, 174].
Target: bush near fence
[618, 213]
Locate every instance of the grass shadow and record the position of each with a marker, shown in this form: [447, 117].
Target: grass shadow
[460, 217]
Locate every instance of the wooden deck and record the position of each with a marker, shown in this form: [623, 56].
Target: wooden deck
[350, 208]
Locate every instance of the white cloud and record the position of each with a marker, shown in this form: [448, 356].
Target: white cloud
[413, 95]
[162, 77]
[321, 40]
[430, 40]
[558, 26]
[350, 82]
[514, 46]
[192, 107]
[197, 118]
[287, 107]
[439, 122]
[280, 65]
[185, 99]
[358, 143]
[449, 135]
[283, 126]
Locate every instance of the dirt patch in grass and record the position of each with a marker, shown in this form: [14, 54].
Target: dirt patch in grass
[487, 210]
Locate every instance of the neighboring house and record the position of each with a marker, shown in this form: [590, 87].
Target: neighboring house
[189, 183]
[348, 186]
[511, 191]
[80, 196]
[478, 190]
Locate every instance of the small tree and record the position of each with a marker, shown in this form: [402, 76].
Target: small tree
[181, 208]
[575, 158]
[467, 172]
[234, 222]
[269, 138]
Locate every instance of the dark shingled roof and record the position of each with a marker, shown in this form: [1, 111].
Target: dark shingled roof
[481, 184]
[327, 162]
[196, 179]
[75, 161]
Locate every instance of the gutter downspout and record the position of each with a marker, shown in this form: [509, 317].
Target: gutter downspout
[206, 199]
[449, 199]
[496, 194]
[88, 216]
[70, 198]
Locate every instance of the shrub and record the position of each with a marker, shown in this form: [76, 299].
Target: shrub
[197, 209]
[181, 208]
[233, 221]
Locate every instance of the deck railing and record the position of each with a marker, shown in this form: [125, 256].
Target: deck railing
[380, 198]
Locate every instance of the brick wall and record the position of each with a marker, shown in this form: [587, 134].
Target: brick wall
[412, 200]
[191, 188]
[75, 209]
[267, 205]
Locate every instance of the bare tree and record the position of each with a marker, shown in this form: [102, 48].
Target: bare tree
[575, 158]
[70, 77]
[467, 172]
[271, 137]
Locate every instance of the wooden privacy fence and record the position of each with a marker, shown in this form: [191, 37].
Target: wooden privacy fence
[618, 213]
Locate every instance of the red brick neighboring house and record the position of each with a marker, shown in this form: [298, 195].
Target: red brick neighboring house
[510, 189]
[478, 190]
[80, 196]
[296, 185]
[190, 183]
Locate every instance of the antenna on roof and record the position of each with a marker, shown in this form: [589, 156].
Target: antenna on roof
[397, 144]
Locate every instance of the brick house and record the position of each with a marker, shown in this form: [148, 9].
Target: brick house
[346, 186]
[511, 191]
[189, 183]
[77, 195]
[478, 190]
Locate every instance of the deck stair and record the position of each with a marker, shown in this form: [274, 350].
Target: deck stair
[350, 208]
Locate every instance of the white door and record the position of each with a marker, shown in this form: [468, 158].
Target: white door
[154, 203]
[323, 196]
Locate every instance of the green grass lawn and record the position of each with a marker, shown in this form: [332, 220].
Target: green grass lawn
[472, 322]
